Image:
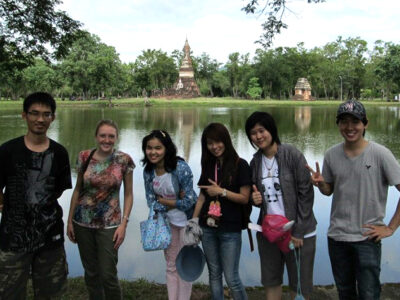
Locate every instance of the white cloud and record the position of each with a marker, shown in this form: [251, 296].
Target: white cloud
[220, 27]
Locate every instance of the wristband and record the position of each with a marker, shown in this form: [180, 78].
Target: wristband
[126, 218]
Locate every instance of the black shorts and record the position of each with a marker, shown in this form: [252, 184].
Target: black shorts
[273, 261]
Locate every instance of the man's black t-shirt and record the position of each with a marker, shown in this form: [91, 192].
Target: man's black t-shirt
[232, 215]
[31, 217]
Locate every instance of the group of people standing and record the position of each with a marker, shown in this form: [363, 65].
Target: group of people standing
[35, 170]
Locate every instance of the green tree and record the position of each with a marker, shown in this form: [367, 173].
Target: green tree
[75, 67]
[373, 81]
[127, 86]
[246, 71]
[324, 73]
[388, 68]
[33, 28]
[254, 90]
[263, 65]
[338, 69]
[278, 71]
[221, 85]
[177, 56]
[154, 69]
[238, 70]
[353, 59]
[12, 84]
[106, 71]
[92, 68]
[40, 77]
[206, 67]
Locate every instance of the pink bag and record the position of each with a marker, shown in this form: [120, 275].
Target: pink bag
[276, 229]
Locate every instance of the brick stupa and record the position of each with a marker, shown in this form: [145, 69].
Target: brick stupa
[185, 86]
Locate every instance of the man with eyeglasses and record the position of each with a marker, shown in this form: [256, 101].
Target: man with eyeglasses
[34, 172]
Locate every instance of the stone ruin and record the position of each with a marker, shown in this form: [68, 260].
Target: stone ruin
[302, 90]
[185, 86]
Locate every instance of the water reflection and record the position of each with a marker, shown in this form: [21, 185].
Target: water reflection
[302, 117]
[311, 129]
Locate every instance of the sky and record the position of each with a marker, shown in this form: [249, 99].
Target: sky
[220, 27]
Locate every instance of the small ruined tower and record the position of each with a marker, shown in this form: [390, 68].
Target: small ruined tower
[302, 90]
[186, 86]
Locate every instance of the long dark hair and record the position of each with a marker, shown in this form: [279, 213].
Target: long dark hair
[219, 133]
[266, 121]
[170, 158]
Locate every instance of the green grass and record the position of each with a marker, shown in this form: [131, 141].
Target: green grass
[144, 289]
[138, 289]
[194, 102]
[147, 290]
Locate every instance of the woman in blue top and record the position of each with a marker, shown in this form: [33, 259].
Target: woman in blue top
[168, 183]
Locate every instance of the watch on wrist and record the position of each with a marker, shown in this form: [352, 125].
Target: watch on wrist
[224, 193]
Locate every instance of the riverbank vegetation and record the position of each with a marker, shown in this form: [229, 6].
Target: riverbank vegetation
[341, 69]
[194, 102]
[51, 53]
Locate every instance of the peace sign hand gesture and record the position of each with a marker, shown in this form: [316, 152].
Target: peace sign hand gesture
[318, 180]
[212, 190]
[316, 177]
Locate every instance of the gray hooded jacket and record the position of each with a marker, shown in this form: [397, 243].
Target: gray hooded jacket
[297, 189]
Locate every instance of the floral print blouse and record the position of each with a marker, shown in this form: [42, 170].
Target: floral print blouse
[182, 180]
[98, 204]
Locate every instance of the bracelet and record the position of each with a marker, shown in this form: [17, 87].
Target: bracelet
[126, 218]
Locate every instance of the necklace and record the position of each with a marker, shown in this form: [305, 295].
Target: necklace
[269, 175]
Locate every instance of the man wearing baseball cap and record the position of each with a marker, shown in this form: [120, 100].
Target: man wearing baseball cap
[357, 172]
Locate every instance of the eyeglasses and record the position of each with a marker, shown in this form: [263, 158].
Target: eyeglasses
[36, 115]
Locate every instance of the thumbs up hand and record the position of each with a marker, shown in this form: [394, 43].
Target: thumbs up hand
[256, 196]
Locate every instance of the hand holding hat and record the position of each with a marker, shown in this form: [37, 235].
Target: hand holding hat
[190, 263]
[192, 233]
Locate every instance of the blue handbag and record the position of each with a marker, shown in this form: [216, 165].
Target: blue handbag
[155, 231]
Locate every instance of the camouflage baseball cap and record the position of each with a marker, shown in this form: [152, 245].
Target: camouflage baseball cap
[352, 107]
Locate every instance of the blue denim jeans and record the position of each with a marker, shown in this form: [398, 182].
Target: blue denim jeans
[356, 267]
[222, 251]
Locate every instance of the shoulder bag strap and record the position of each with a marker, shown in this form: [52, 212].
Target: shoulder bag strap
[86, 164]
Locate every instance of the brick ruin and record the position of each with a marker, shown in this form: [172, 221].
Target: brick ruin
[302, 90]
[185, 86]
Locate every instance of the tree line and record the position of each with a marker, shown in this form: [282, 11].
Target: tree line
[344, 68]
[42, 48]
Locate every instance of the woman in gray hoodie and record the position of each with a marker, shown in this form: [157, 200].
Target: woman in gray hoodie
[282, 186]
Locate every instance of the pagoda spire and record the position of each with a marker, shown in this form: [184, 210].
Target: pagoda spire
[185, 85]
[186, 69]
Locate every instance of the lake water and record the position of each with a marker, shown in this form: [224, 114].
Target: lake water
[311, 129]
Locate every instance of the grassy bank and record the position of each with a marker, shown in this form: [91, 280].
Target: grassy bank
[145, 290]
[195, 102]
